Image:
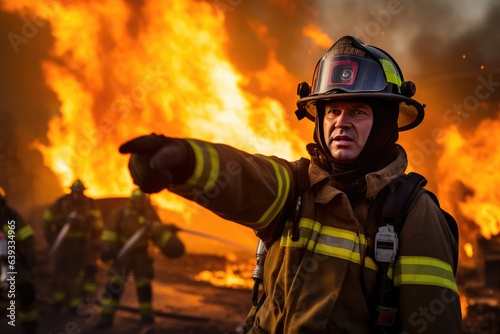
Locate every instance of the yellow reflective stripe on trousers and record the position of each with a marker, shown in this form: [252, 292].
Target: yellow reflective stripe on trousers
[28, 316]
[24, 232]
[58, 296]
[109, 305]
[425, 271]
[145, 307]
[206, 168]
[283, 180]
[142, 282]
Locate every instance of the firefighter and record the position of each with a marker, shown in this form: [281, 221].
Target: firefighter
[73, 227]
[25, 259]
[324, 272]
[136, 220]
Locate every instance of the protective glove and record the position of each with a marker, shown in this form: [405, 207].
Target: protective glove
[172, 228]
[157, 161]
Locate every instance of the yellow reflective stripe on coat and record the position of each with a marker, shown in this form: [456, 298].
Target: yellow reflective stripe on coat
[98, 218]
[165, 238]
[145, 306]
[48, 216]
[425, 271]
[272, 211]
[75, 234]
[206, 167]
[142, 282]
[328, 240]
[28, 316]
[108, 235]
[24, 232]
[390, 72]
[89, 287]
[96, 213]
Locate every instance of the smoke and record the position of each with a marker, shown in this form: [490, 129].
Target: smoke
[27, 105]
[427, 38]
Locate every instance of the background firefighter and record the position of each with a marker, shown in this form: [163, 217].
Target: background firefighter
[24, 263]
[137, 221]
[75, 254]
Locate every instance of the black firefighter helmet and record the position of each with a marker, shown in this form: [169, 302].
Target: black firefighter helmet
[352, 70]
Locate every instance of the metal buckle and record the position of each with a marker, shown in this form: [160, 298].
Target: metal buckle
[386, 244]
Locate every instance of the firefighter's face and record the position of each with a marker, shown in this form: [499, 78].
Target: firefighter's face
[346, 127]
[139, 204]
[77, 195]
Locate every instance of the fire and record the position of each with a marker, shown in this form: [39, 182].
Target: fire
[121, 71]
[468, 249]
[318, 36]
[464, 304]
[235, 276]
[469, 182]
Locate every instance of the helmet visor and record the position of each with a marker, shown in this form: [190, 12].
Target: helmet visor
[349, 74]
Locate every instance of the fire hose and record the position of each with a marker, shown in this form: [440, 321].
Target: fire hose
[129, 245]
[156, 313]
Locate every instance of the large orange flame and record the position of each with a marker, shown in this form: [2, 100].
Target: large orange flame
[469, 182]
[120, 73]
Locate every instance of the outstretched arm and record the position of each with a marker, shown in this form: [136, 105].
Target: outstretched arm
[252, 190]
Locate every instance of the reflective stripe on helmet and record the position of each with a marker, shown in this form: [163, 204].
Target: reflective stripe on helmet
[390, 72]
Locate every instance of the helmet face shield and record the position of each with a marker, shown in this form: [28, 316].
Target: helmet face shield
[349, 74]
[351, 70]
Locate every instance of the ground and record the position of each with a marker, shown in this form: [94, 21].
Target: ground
[189, 306]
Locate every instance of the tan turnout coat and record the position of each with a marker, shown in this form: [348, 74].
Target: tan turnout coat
[314, 284]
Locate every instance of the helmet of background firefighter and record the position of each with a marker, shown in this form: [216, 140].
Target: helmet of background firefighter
[351, 70]
[77, 188]
[139, 199]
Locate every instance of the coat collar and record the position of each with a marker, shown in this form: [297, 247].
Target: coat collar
[375, 181]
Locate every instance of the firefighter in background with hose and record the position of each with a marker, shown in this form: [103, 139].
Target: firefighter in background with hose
[126, 242]
[73, 227]
[25, 260]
